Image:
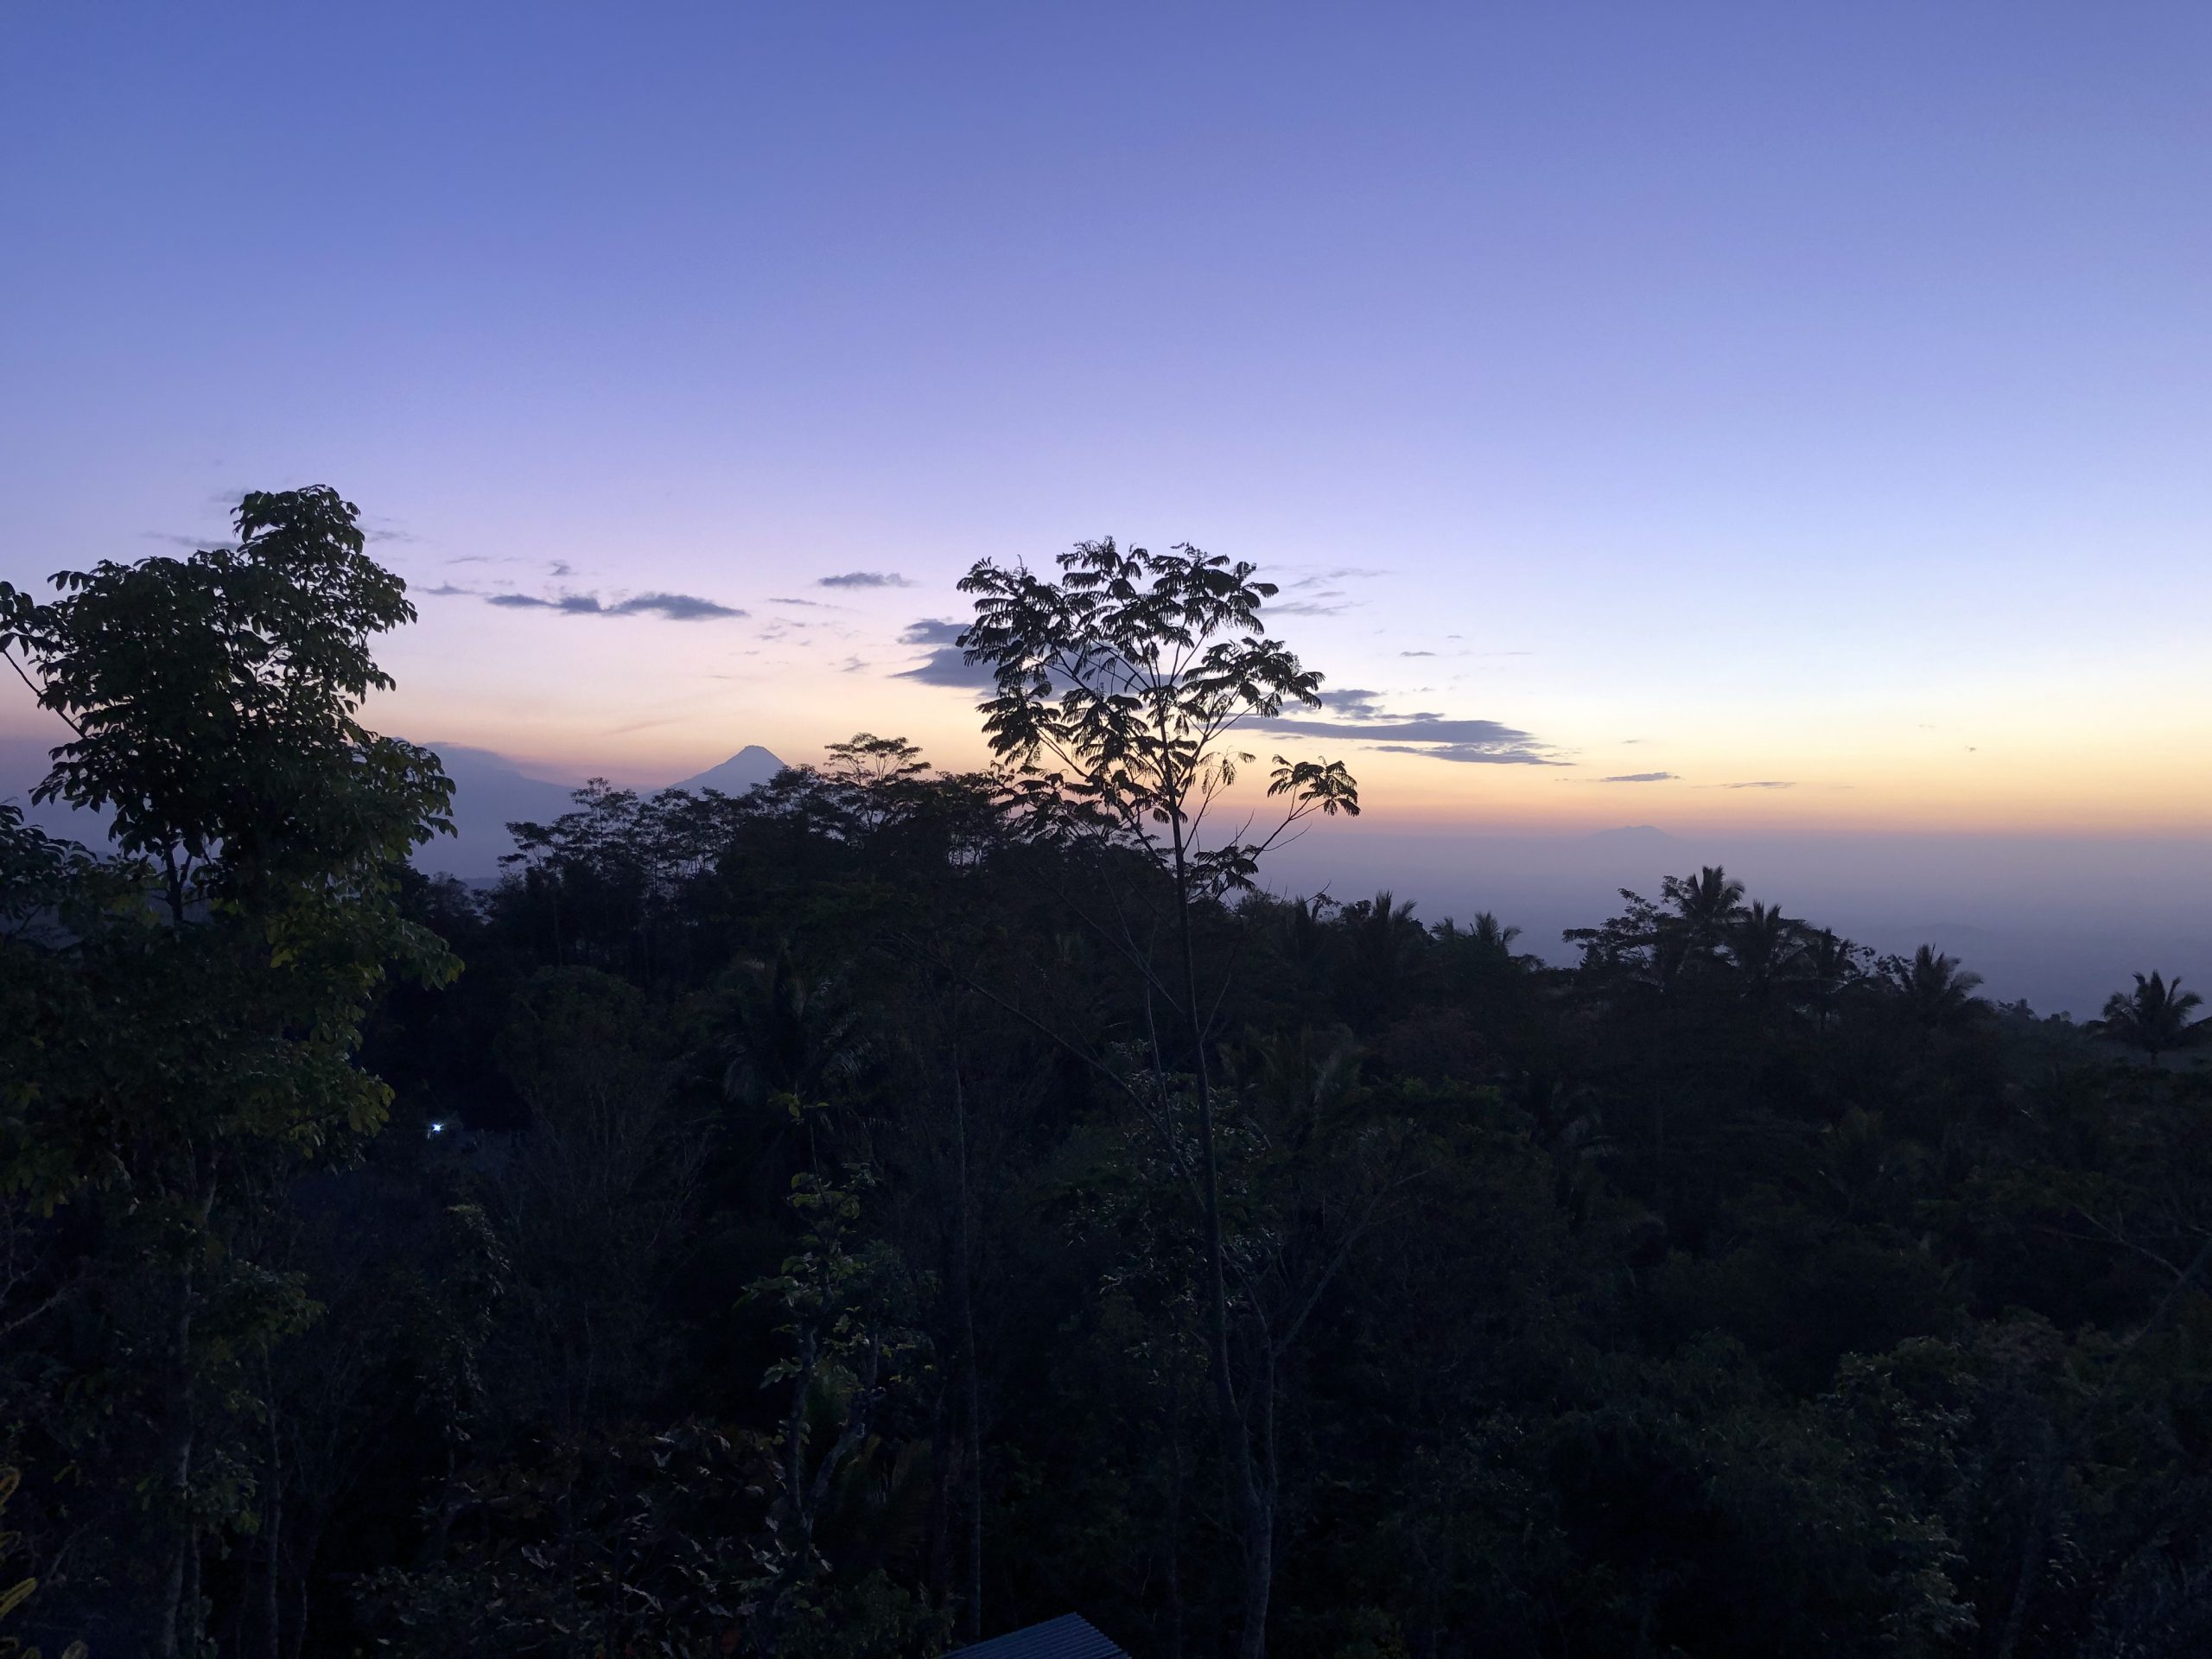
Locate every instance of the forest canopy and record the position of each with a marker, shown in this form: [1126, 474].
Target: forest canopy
[894, 1205]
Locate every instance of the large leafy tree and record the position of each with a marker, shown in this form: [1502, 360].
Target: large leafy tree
[194, 1023]
[1121, 684]
[213, 702]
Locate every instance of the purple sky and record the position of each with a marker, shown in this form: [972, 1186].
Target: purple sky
[1777, 419]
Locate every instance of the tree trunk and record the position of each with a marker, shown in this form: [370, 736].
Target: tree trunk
[190, 1630]
[302, 1572]
[972, 1617]
[943, 1473]
[1255, 1523]
[1172, 1647]
[1259, 1543]
[1258, 1587]
[2031, 1549]
[177, 1631]
[971, 1613]
[272, 1642]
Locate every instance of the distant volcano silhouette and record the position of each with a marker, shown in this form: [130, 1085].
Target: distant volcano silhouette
[490, 792]
[750, 766]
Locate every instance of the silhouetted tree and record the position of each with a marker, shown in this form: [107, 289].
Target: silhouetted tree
[1707, 904]
[1125, 676]
[2153, 1017]
[214, 701]
[1934, 992]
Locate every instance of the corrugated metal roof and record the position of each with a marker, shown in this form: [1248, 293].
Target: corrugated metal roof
[1069, 1636]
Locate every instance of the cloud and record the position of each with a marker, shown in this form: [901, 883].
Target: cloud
[865, 579]
[1472, 742]
[208, 544]
[446, 590]
[1418, 728]
[1416, 653]
[1353, 702]
[945, 668]
[944, 665]
[677, 607]
[674, 607]
[1335, 574]
[574, 604]
[1329, 603]
[1318, 594]
[1640, 778]
[810, 604]
[1475, 754]
[560, 568]
[1764, 783]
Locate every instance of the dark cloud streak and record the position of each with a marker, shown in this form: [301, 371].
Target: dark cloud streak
[1470, 742]
[673, 607]
[194, 544]
[1418, 728]
[946, 665]
[1474, 754]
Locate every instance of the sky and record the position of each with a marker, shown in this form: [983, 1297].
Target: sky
[1745, 420]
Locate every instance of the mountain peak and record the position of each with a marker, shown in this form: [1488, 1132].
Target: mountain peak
[749, 767]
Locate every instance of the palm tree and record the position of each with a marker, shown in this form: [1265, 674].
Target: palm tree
[796, 1033]
[1707, 903]
[1935, 991]
[1382, 947]
[1492, 939]
[1295, 1074]
[1762, 945]
[2154, 1018]
[1484, 951]
[1826, 965]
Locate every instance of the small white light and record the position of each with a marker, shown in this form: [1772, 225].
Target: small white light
[438, 1128]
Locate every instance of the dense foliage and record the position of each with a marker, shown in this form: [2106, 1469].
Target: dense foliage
[797, 1232]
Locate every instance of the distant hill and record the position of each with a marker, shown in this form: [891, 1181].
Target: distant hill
[489, 793]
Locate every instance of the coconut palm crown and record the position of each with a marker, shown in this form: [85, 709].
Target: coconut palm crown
[2155, 1017]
